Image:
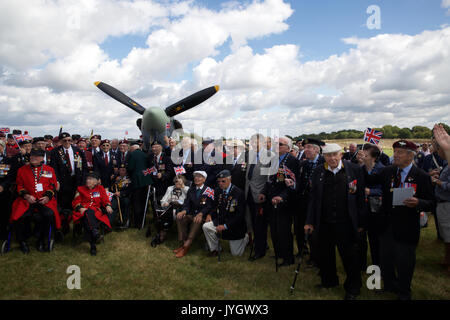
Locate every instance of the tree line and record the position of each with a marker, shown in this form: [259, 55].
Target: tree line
[389, 132]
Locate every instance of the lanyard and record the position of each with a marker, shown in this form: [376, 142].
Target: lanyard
[37, 179]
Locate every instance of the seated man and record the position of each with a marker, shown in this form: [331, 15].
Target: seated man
[36, 184]
[227, 218]
[197, 205]
[171, 202]
[87, 205]
[121, 187]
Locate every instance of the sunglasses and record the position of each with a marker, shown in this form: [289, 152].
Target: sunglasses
[66, 140]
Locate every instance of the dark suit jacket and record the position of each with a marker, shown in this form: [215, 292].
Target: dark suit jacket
[105, 171]
[274, 188]
[61, 167]
[234, 217]
[355, 201]
[212, 169]
[164, 166]
[194, 205]
[238, 171]
[405, 221]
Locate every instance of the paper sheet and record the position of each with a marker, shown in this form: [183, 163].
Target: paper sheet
[400, 194]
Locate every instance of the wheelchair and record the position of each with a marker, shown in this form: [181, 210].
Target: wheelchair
[6, 244]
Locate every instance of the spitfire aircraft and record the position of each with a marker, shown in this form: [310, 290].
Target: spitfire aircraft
[156, 122]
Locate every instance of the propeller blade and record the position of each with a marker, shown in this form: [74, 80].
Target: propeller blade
[119, 96]
[191, 101]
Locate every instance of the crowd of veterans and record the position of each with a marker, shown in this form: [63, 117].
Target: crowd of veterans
[312, 196]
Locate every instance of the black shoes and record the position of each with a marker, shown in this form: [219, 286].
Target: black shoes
[256, 257]
[93, 250]
[24, 247]
[349, 296]
[40, 246]
[286, 263]
[148, 233]
[213, 253]
[321, 286]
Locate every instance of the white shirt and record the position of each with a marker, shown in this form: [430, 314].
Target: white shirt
[72, 160]
[185, 155]
[337, 169]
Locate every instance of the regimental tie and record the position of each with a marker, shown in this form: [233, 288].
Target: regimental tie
[68, 160]
[398, 178]
[106, 159]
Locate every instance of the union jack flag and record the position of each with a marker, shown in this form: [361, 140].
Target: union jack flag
[21, 137]
[372, 136]
[149, 171]
[179, 170]
[4, 130]
[110, 195]
[209, 193]
[168, 125]
[289, 173]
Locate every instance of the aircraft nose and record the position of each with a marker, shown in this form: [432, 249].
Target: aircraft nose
[154, 119]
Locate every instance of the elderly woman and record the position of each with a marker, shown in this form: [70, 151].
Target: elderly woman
[442, 193]
[174, 197]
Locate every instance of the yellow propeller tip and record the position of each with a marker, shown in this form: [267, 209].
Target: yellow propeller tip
[217, 88]
[96, 83]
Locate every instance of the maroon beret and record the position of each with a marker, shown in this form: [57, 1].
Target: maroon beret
[105, 141]
[405, 144]
[97, 136]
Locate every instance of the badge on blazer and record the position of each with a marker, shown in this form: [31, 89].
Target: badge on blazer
[243, 166]
[96, 194]
[280, 175]
[203, 200]
[47, 174]
[352, 186]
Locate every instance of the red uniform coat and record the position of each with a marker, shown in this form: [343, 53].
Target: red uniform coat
[27, 182]
[91, 199]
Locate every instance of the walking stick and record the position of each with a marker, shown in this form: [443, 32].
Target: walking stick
[118, 204]
[275, 245]
[145, 210]
[297, 270]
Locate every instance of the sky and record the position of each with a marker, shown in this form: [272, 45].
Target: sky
[294, 67]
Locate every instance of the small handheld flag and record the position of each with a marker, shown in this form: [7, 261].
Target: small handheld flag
[372, 136]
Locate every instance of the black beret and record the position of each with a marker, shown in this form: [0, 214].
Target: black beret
[21, 143]
[224, 174]
[36, 152]
[38, 139]
[10, 136]
[405, 144]
[122, 166]
[76, 136]
[2, 134]
[156, 142]
[207, 141]
[64, 135]
[313, 141]
[15, 131]
[48, 136]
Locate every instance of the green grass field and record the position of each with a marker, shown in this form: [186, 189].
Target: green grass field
[126, 267]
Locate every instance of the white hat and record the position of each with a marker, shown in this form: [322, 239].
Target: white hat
[203, 173]
[330, 148]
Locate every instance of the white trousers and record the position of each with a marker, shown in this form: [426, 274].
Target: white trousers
[237, 247]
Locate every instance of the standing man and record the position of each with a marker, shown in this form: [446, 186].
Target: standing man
[280, 206]
[95, 144]
[138, 164]
[237, 162]
[115, 146]
[301, 149]
[104, 163]
[70, 167]
[123, 153]
[257, 174]
[351, 154]
[336, 211]
[313, 159]
[227, 217]
[400, 231]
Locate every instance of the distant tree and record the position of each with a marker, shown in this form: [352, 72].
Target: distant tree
[404, 133]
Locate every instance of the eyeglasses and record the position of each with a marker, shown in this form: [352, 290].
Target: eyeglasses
[282, 144]
[66, 140]
[221, 181]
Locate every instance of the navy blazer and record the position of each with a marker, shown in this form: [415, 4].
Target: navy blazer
[193, 205]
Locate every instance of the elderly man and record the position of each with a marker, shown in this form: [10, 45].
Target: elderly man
[227, 218]
[95, 144]
[39, 142]
[236, 163]
[36, 186]
[196, 207]
[312, 160]
[400, 231]
[123, 153]
[257, 175]
[184, 158]
[336, 211]
[114, 146]
[104, 163]
[70, 167]
[137, 166]
[351, 154]
[281, 205]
